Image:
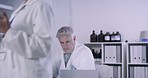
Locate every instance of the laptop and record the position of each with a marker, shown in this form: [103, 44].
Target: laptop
[79, 74]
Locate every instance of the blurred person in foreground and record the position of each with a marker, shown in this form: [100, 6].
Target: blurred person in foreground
[27, 39]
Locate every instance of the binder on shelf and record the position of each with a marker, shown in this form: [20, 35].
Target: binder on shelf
[102, 70]
[109, 71]
[142, 72]
[107, 54]
[110, 54]
[131, 72]
[135, 54]
[118, 54]
[132, 54]
[139, 53]
[136, 72]
[113, 54]
[115, 72]
[119, 72]
[143, 54]
[146, 72]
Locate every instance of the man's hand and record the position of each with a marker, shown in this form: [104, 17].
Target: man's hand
[4, 23]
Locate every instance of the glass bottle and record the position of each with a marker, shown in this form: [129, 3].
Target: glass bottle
[101, 36]
[93, 37]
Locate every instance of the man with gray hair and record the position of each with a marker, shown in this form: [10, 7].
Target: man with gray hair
[75, 56]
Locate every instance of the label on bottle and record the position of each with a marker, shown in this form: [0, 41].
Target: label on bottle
[107, 38]
[117, 37]
[112, 37]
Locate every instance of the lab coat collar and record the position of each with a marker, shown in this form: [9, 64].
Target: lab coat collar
[75, 48]
[73, 55]
[29, 2]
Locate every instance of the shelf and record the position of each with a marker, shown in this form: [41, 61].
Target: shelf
[137, 59]
[114, 50]
[112, 63]
[137, 43]
[114, 43]
[138, 64]
[104, 43]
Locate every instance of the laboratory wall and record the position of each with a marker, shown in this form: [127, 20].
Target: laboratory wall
[61, 9]
[129, 17]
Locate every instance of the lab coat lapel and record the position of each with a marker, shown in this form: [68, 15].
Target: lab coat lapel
[15, 12]
[62, 63]
[70, 61]
[30, 2]
[72, 57]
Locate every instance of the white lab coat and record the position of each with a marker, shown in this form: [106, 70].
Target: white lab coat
[27, 41]
[80, 59]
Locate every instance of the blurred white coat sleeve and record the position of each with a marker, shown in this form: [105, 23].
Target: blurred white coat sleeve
[36, 45]
[47, 68]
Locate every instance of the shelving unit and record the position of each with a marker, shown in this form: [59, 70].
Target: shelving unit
[137, 60]
[95, 48]
[111, 64]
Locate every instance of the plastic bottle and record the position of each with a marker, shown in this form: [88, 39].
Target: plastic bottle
[117, 37]
[113, 37]
[107, 37]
